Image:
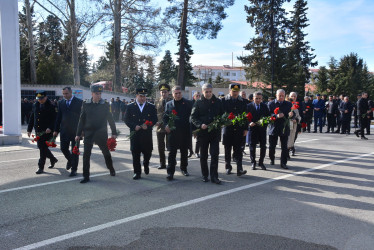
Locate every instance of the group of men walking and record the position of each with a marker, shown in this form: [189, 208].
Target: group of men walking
[175, 118]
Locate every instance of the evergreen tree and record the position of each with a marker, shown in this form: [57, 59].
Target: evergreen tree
[188, 78]
[322, 80]
[268, 18]
[130, 69]
[167, 69]
[53, 70]
[300, 56]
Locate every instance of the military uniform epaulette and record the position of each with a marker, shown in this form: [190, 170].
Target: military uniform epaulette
[90, 101]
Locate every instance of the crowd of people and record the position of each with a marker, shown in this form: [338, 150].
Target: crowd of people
[178, 120]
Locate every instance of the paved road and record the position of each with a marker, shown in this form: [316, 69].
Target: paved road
[324, 201]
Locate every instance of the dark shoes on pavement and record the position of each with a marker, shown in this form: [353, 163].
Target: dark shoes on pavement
[73, 173]
[284, 166]
[85, 180]
[205, 179]
[197, 155]
[146, 170]
[162, 167]
[253, 165]
[185, 173]
[169, 177]
[136, 177]
[241, 172]
[53, 162]
[40, 171]
[262, 166]
[216, 180]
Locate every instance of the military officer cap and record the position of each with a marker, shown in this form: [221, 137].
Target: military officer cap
[141, 91]
[164, 86]
[359, 94]
[234, 87]
[96, 88]
[40, 94]
[318, 95]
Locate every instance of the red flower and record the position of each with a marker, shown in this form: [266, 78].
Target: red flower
[174, 112]
[273, 118]
[276, 111]
[148, 123]
[53, 144]
[303, 125]
[32, 136]
[249, 116]
[47, 143]
[76, 150]
[231, 116]
[308, 107]
[111, 143]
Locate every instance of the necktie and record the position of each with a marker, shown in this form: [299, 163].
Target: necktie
[67, 103]
[257, 107]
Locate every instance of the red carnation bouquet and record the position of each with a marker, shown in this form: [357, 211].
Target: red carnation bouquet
[37, 136]
[303, 125]
[112, 144]
[241, 119]
[295, 105]
[231, 116]
[76, 149]
[218, 122]
[51, 143]
[132, 133]
[172, 117]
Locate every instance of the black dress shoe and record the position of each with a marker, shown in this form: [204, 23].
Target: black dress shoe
[73, 173]
[272, 163]
[146, 170]
[364, 138]
[284, 166]
[314, 131]
[161, 167]
[40, 171]
[197, 155]
[85, 180]
[241, 172]
[262, 166]
[205, 179]
[53, 162]
[169, 177]
[185, 173]
[136, 177]
[216, 180]
[327, 131]
[254, 166]
[191, 154]
[113, 172]
[68, 166]
[356, 133]
[228, 171]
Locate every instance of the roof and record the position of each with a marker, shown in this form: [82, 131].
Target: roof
[224, 67]
[262, 85]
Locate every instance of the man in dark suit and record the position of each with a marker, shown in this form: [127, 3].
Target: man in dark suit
[363, 113]
[307, 106]
[137, 114]
[42, 119]
[332, 112]
[258, 132]
[346, 109]
[178, 135]
[66, 124]
[280, 128]
[234, 135]
[93, 122]
[203, 113]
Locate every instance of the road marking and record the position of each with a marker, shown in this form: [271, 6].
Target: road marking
[179, 205]
[307, 140]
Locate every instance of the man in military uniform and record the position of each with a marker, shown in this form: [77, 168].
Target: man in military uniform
[258, 132]
[203, 112]
[66, 124]
[355, 112]
[160, 131]
[93, 121]
[179, 136]
[137, 114]
[42, 119]
[279, 128]
[363, 113]
[234, 135]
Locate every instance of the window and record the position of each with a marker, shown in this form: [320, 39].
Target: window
[227, 74]
[233, 74]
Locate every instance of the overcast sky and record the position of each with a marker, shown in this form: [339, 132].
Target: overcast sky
[337, 28]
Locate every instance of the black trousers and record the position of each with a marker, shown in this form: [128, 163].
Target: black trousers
[346, 128]
[211, 143]
[308, 122]
[273, 141]
[172, 161]
[161, 138]
[356, 121]
[252, 149]
[88, 144]
[331, 122]
[44, 150]
[364, 122]
[136, 160]
[73, 159]
[338, 122]
[238, 155]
